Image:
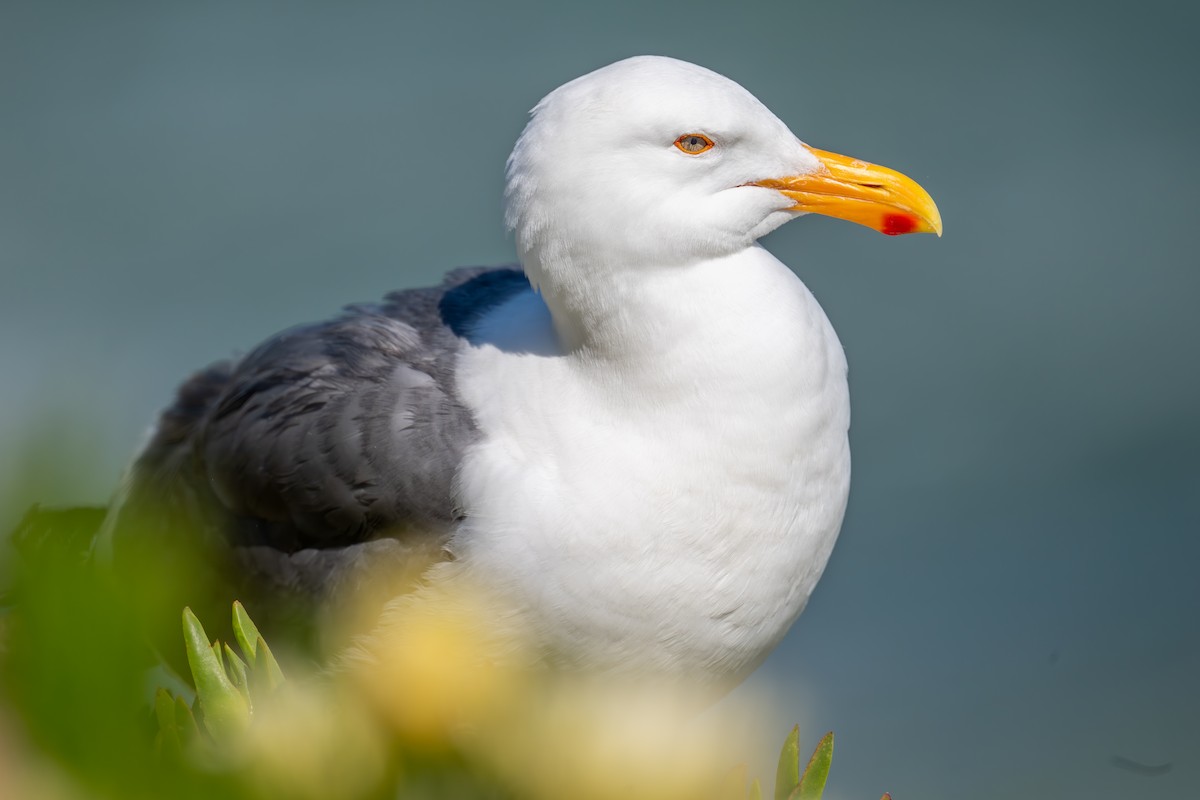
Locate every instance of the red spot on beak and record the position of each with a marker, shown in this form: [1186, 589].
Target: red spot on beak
[896, 224]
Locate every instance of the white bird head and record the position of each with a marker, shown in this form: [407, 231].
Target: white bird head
[653, 162]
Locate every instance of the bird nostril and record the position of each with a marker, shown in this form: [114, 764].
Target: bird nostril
[871, 185]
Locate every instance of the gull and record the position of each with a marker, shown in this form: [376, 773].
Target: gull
[635, 439]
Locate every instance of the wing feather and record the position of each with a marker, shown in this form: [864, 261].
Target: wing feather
[322, 440]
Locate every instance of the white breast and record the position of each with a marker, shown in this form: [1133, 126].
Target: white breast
[671, 508]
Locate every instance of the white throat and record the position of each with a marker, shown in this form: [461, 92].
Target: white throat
[694, 427]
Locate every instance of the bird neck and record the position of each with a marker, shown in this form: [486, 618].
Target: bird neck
[664, 332]
[615, 312]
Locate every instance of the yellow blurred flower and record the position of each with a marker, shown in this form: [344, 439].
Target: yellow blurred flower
[438, 663]
[312, 740]
[455, 673]
[594, 738]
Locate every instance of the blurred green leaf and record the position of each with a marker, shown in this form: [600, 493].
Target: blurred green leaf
[167, 743]
[71, 667]
[812, 783]
[225, 710]
[267, 673]
[259, 658]
[238, 674]
[164, 709]
[755, 790]
[246, 632]
[787, 775]
[185, 721]
[216, 649]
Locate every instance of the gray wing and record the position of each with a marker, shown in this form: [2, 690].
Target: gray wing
[330, 434]
[328, 451]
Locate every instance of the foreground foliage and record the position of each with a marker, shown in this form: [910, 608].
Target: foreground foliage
[230, 687]
[88, 712]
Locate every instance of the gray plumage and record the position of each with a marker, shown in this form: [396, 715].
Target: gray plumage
[326, 455]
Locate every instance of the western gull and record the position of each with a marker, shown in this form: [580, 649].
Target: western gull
[636, 438]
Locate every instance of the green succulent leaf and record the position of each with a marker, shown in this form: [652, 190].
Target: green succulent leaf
[167, 743]
[185, 722]
[787, 776]
[164, 710]
[245, 631]
[755, 790]
[812, 783]
[238, 674]
[267, 673]
[216, 648]
[167, 746]
[225, 710]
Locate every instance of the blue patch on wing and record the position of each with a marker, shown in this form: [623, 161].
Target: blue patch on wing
[500, 308]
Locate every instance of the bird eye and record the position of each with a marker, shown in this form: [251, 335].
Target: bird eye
[694, 143]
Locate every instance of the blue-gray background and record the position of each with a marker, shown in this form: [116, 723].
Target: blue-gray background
[1014, 598]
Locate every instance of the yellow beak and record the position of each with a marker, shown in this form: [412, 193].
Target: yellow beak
[854, 190]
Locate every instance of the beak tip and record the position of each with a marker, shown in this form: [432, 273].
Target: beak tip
[868, 194]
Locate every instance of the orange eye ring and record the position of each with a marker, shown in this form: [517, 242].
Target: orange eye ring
[694, 143]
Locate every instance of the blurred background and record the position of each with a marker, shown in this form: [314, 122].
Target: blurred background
[1013, 608]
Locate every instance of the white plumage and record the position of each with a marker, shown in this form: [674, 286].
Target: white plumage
[644, 463]
[662, 495]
